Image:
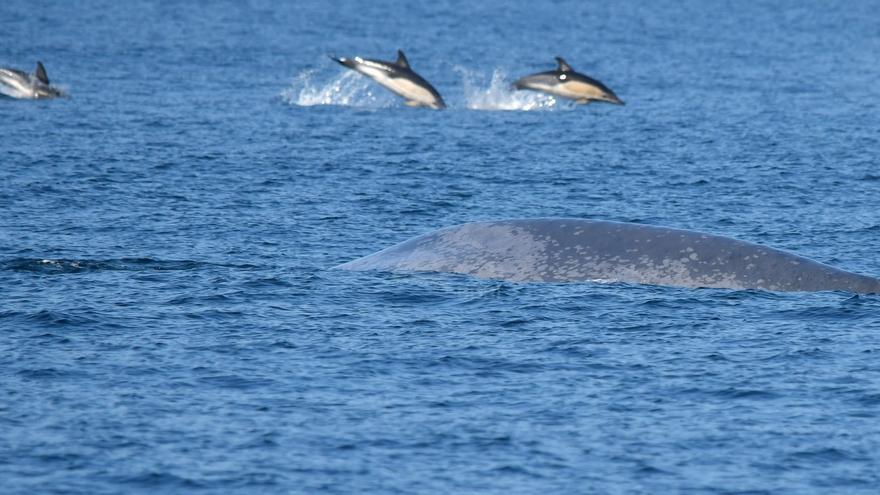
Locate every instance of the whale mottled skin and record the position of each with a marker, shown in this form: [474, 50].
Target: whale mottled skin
[18, 84]
[578, 250]
[399, 78]
[567, 83]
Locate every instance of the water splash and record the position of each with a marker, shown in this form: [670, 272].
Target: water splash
[346, 89]
[351, 89]
[499, 95]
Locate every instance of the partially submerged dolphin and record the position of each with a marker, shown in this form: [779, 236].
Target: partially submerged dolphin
[398, 77]
[577, 250]
[567, 83]
[18, 84]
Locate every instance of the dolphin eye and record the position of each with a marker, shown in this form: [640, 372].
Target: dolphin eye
[562, 77]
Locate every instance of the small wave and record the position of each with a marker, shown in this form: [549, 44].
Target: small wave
[154, 480]
[60, 266]
[346, 89]
[498, 95]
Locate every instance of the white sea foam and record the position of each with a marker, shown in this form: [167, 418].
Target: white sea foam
[348, 88]
[497, 94]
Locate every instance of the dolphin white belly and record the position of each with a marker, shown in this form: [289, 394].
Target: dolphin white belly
[12, 84]
[402, 86]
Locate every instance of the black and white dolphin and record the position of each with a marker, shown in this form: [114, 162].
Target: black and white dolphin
[567, 83]
[398, 77]
[577, 250]
[18, 84]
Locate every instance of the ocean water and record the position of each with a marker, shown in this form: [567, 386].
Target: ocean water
[169, 322]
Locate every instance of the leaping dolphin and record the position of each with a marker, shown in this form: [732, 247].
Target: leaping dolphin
[577, 250]
[18, 84]
[398, 77]
[567, 83]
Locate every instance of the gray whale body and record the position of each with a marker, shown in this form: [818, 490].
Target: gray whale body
[578, 250]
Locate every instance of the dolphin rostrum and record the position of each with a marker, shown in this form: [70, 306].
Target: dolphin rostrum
[578, 250]
[567, 83]
[398, 77]
[18, 84]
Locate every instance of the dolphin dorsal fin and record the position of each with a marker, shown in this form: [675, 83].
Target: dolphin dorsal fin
[40, 73]
[563, 65]
[401, 60]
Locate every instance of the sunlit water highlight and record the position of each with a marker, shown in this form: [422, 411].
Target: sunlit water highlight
[497, 93]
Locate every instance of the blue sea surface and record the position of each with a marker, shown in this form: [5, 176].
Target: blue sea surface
[169, 318]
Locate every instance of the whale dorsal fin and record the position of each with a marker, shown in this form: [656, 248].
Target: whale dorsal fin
[401, 60]
[40, 73]
[563, 65]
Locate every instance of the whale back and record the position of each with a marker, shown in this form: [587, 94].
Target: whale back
[577, 250]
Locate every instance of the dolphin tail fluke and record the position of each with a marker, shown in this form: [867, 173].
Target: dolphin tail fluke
[40, 73]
